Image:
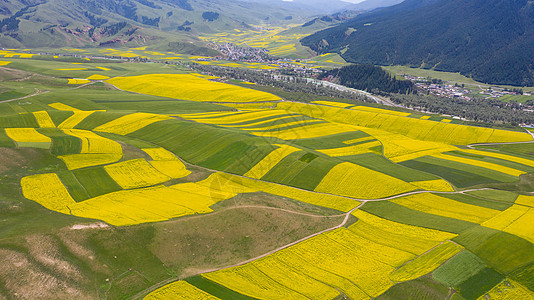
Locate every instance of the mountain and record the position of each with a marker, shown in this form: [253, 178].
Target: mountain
[319, 6]
[368, 5]
[489, 40]
[42, 23]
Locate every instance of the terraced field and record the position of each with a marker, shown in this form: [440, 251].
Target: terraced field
[164, 190]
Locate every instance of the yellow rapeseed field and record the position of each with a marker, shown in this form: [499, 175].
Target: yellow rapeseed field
[438, 185]
[189, 87]
[426, 263]
[47, 190]
[524, 161]
[305, 132]
[3, 63]
[171, 168]
[160, 154]
[399, 148]
[333, 103]
[273, 158]
[236, 118]
[62, 106]
[517, 220]
[28, 137]
[179, 290]
[249, 280]
[424, 130]
[280, 126]
[77, 80]
[259, 123]
[135, 173]
[525, 200]
[508, 290]
[43, 119]
[351, 150]
[340, 259]
[380, 110]
[130, 123]
[483, 164]
[78, 161]
[93, 143]
[441, 206]
[325, 200]
[358, 140]
[412, 239]
[154, 204]
[75, 119]
[97, 77]
[348, 179]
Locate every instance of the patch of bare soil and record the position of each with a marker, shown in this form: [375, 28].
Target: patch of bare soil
[25, 279]
[14, 158]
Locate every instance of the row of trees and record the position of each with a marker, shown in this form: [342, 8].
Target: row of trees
[480, 110]
[369, 78]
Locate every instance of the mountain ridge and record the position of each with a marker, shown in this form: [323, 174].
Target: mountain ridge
[486, 40]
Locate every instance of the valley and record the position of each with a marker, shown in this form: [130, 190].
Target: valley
[217, 156]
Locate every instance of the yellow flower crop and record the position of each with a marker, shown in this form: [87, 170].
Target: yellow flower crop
[509, 290]
[412, 239]
[426, 263]
[240, 117]
[3, 63]
[28, 137]
[483, 164]
[304, 132]
[160, 154]
[352, 264]
[78, 81]
[189, 87]
[380, 110]
[281, 125]
[332, 103]
[267, 163]
[78, 161]
[93, 143]
[400, 148]
[47, 190]
[258, 123]
[130, 123]
[524, 161]
[97, 77]
[446, 120]
[358, 140]
[135, 173]
[351, 150]
[441, 206]
[425, 117]
[43, 119]
[525, 200]
[75, 119]
[239, 184]
[249, 280]
[171, 168]
[438, 185]
[179, 290]
[61, 106]
[419, 129]
[517, 219]
[348, 179]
